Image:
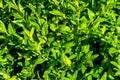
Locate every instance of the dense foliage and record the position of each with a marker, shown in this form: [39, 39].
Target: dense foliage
[59, 40]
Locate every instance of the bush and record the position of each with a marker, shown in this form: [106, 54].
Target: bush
[59, 39]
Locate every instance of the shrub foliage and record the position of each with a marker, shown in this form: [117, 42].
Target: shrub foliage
[59, 39]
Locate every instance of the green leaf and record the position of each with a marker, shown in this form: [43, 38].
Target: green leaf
[66, 60]
[118, 29]
[104, 76]
[45, 29]
[111, 77]
[95, 26]
[89, 77]
[73, 56]
[57, 13]
[46, 74]
[64, 29]
[2, 37]
[103, 29]
[83, 26]
[95, 56]
[73, 22]
[71, 7]
[31, 33]
[90, 14]
[17, 16]
[117, 73]
[39, 61]
[32, 7]
[6, 76]
[83, 69]
[2, 27]
[74, 77]
[112, 50]
[69, 44]
[20, 6]
[1, 4]
[10, 29]
[36, 25]
[27, 32]
[53, 27]
[83, 19]
[12, 5]
[118, 20]
[114, 63]
[85, 48]
[13, 78]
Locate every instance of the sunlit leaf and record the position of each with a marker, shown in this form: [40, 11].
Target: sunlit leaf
[1, 3]
[104, 77]
[90, 14]
[2, 27]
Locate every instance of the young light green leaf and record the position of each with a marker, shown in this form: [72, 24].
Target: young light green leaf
[118, 29]
[71, 7]
[1, 4]
[103, 29]
[27, 32]
[83, 26]
[36, 25]
[73, 56]
[17, 16]
[112, 50]
[74, 77]
[66, 60]
[95, 26]
[73, 22]
[83, 69]
[118, 20]
[104, 77]
[85, 48]
[2, 37]
[69, 44]
[114, 63]
[6, 76]
[31, 33]
[45, 28]
[10, 29]
[2, 27]
[53, 27]
[89, 77]
[90, 14]
[56, 12]
[39, 61]
[95, 56]
[64, 29]
[20, 6]
[32, 7]
[12, 5]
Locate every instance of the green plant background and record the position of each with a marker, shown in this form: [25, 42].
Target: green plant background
[59, 39]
